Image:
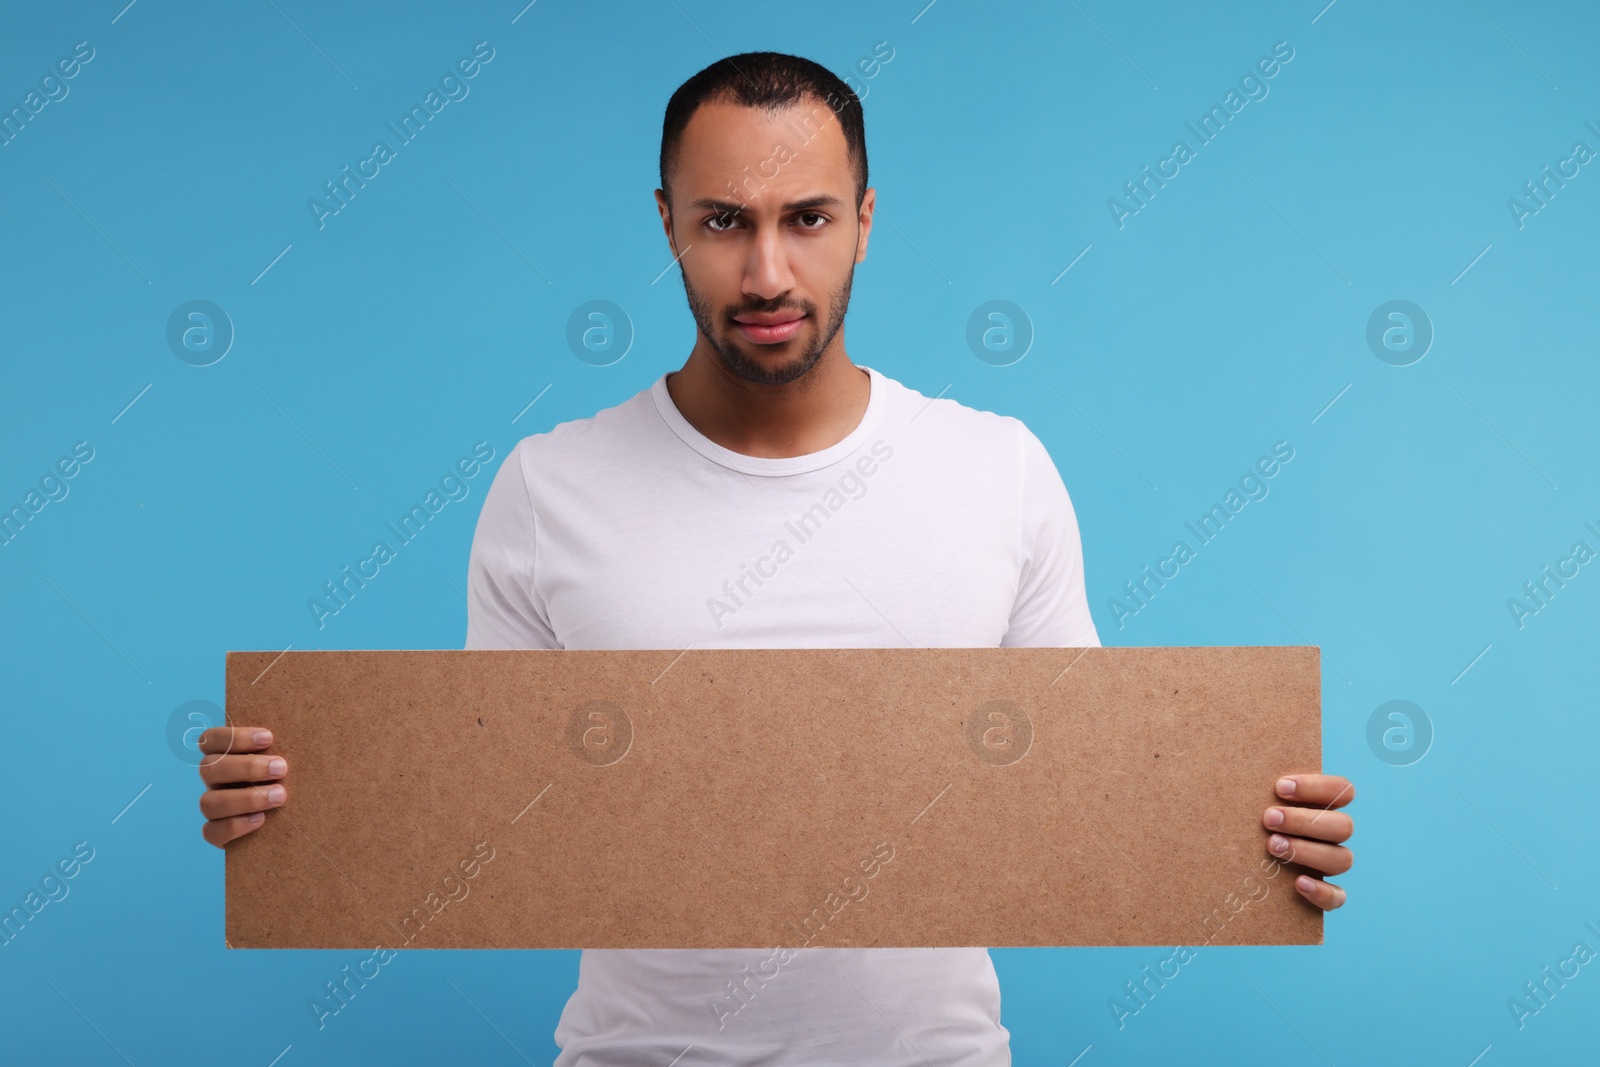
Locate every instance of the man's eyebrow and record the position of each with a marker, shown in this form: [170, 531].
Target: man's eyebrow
[729, 207]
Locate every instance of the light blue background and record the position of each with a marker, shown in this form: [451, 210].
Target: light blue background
[1228, 314]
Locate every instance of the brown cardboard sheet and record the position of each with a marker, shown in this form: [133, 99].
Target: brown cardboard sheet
[721, 798]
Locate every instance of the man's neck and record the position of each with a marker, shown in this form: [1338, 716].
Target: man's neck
[807, 415]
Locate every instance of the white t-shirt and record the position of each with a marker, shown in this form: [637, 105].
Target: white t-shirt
[930, 525]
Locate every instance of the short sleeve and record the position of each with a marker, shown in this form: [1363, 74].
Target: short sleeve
[1052, 606]
[502, 608]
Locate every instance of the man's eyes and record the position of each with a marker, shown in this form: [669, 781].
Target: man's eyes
[715, 222]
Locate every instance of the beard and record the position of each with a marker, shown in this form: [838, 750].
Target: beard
[719, 334]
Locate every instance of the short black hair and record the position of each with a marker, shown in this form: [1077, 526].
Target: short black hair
[772, 81]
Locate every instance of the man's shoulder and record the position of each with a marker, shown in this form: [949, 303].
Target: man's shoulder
[962, 427]
[589, 437]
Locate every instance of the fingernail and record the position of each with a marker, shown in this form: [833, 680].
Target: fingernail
[263, 737]
[254, 817]
[1303, 884]
[277, 766]
[1274, 816]
[275, 794]
[1286, 787]
[1278, 843]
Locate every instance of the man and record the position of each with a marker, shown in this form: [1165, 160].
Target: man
[773, 494]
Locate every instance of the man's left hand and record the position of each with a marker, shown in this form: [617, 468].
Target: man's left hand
[1301, 828]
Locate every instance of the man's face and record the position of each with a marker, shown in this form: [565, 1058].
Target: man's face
[767, 232]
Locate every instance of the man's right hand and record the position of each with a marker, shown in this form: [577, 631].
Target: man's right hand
[232, 804]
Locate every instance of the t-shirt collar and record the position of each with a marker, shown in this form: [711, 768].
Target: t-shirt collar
[876, 400]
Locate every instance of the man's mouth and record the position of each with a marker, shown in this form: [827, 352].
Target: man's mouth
[772, 328]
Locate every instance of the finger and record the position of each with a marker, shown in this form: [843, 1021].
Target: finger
[1324, 895]
[222, 803]
[1319, 823]
[234, 739]
[220, 831]
[1329, 859]
[1328, 790]
[224, 770]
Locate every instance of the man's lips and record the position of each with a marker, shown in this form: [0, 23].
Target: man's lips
[770, 329]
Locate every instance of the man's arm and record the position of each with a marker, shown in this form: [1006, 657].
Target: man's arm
[502, 612]
[1052, 610]
[1052, 607]
[503, 609]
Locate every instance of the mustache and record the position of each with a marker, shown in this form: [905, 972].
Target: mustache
[801, 309]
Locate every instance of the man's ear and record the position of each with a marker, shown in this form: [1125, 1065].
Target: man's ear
[869, 200]
[666, 221]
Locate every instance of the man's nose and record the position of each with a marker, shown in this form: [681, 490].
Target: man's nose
[767, 274]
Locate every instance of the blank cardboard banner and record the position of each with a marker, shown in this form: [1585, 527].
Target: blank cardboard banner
[741, 798]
